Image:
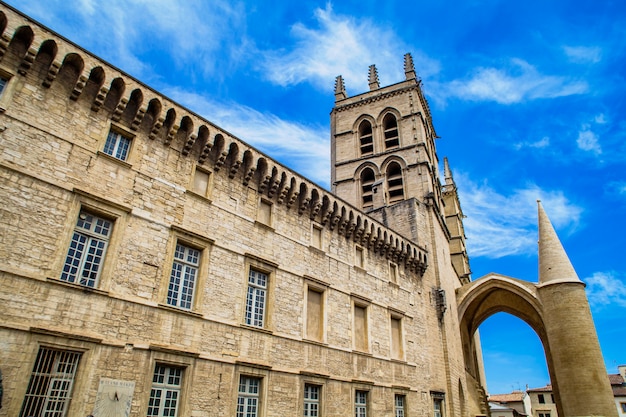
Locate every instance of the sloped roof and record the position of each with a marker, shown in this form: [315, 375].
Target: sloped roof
[515, 396]
[616, 379]
[547, 388]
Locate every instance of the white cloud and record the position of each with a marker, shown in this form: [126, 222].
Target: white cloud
[305, 149]
[344, 46]
[588, 140]
[604, 288]
[583, 54]
[544, 142]
[518, 83]
[499, 225]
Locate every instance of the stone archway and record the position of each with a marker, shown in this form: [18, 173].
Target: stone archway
[558, 312]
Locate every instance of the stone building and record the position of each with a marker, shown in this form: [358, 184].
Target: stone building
[154, 264]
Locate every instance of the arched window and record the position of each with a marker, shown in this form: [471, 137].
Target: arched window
[367, 181]
[395, 186]
[390, 126]
[366, 140]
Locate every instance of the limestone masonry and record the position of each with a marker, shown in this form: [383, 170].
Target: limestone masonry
[151, 263]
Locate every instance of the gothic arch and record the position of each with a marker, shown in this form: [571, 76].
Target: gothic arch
[364, 128]
[389, 121]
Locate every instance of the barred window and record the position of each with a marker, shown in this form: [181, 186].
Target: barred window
[165, 392]
[311, 400]
[50, 386]
[183, 277]
[85, 255]
[256, 297]
[117, 145]
[248, 398]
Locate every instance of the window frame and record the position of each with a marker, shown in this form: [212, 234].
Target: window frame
[306, 411]
[361, 402]
[402, 351]
[365, 304]
[390, 141]
[120, 134]
[209, 186]
[311, 284]
[6, 94]
[54, 374]
[399, 409]
[189, 239]
[246, 396]
[187, 270]
[166, 387]
[269, 270]
[368, 136]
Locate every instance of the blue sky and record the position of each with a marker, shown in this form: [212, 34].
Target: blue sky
[529, 99]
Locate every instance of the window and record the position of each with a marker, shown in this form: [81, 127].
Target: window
[200, 184]
[117, 145]
[552, 398]
[623, 406]
[390, 126]
[50, 386]
[3, 83]
[311, 400]
[248, 399]
[542, 400]
[314, 314]
[165, 392]
[366, 139]
[360, 403]
[397, 351]
[183, 277]
[544, 414]
[395, 186]
[367, 186]
[399, 405]
[437, 407]
[360, 328]
[256, 298]
[393, 273]
[316, 237]
[87, 249]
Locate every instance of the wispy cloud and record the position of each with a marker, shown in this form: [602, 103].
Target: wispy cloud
[341, 45]
[606, 288]
[583, 54]
[544, 142]
[588, 140]
[518, 82]
[499, 225]
[305, 149]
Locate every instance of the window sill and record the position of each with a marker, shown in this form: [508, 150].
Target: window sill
[199, 196]
[114, 159]
[75, 286]
[314, 342]
[179, 310]
[317, 250]
[258, 329]
[263, 225]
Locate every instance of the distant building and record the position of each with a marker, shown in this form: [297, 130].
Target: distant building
[618, 384]
[518, 401]
[542, 402]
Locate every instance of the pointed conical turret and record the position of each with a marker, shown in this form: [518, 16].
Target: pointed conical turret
[447, 173]
[554, 264]
[373, 78]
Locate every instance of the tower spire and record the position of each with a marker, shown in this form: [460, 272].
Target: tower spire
[554, 264]
[340, 89]
[447, 173]
[373, 78]
[409, 69]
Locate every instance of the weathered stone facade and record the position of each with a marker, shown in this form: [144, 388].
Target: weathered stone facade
[149, 259]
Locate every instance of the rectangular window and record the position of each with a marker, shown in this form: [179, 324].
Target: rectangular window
[623, 406]
[544, 414]
[396, 339]
[393, 273]
[437, 407]
[50, 386]
[399, 405]
[316, 237]
[249, 396]
[360, 328]
[165, 392]
[255, 300]
[314, 314]
[265, 213]
[360, 404]
[311, 400]
[3, 83]
[183, 277]
[85, 255]
[117, 145]
[542, 400]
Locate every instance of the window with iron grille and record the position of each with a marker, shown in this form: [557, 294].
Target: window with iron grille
[311, 400]
[85, 255]
[117, 145]
[256, 297]
[165, 392]
[183, 277]
[360, 404]
[249, 396]
[399, 405]
[50, 386]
